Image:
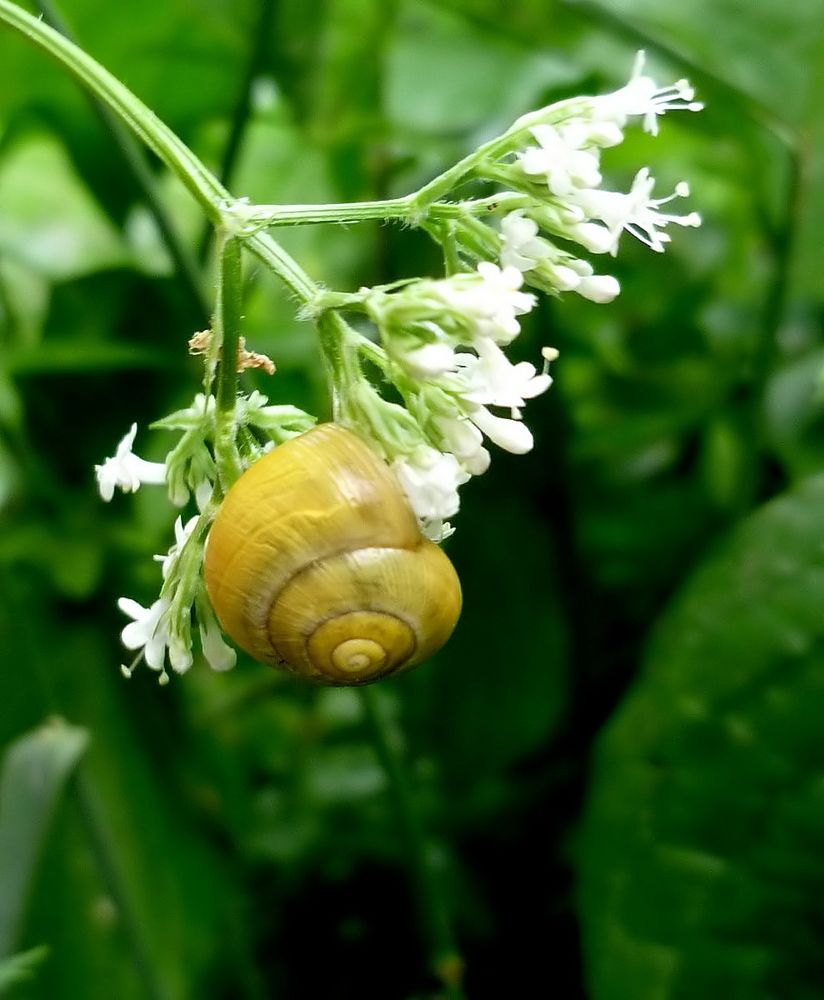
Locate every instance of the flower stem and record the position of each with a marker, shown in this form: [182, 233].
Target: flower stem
[203, 185]
[399, 209]
[445, 960]
[226, 334]
[133, 156]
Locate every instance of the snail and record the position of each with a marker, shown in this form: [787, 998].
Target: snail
[315, 562]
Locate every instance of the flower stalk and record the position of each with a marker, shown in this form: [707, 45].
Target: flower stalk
[226, 341]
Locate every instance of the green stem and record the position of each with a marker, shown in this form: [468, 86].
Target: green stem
[204, 186]
[226, 340]
[445, 959]
[401, 209]
[338, 343]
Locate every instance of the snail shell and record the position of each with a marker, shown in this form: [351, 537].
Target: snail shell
[315, 562]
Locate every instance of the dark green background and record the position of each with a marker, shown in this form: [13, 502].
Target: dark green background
[620, 754]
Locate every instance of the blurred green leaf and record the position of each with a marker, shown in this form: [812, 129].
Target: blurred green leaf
[74, 355]
[131, 865]
[21, 967]
[182, 61]
[445, 74]
[48, 219]
[24, 300]
[34, 771]
[700, 854]
[794, 412]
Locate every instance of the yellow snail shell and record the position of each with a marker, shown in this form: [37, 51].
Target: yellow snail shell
[315, 562]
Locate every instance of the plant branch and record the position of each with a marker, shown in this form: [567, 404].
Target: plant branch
[135, 160]
[203, 185]
[226, 337]
[402, 210]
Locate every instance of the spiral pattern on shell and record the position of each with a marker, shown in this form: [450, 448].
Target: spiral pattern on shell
[315, 562]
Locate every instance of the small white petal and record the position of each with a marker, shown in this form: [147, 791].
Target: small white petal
[511, 435]
[491, 378]
[429, 360]
[219, 655]
[430, 480]
[126, 470]
[599, 288]
[592, 237]
[203, 494]
[180, 655]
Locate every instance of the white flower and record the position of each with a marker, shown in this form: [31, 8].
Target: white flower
[563, 166]
[462, 438]
[598, 288]
[595, 287]
[637, 211]
[430, 480]
[147, 631]
[511, 435]
[591, 236]
[643, 97]
[427, 360]
[219, 655]
[126, 470]
[182, 533]
[492, 304]
[150, 632]
[491, 379]
[521, 247]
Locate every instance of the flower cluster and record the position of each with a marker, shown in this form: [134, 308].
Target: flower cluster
[559, 170]
[163, 630]
[442, 349]
[443, 340]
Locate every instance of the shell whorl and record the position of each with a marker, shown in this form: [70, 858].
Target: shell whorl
[315, 561]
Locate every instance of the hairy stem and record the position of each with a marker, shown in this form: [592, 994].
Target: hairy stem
[226, 336]
[135, 160]
[395, 209]
[203, 185]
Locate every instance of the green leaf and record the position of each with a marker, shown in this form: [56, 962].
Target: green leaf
[35, 770]
[131, 896]
[445, 74]
[700, 854]
[48, 219]
[21, 967]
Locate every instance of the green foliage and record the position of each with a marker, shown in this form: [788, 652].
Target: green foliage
[19, 968]
[34, 771]
[700, 849]
[232, 835]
